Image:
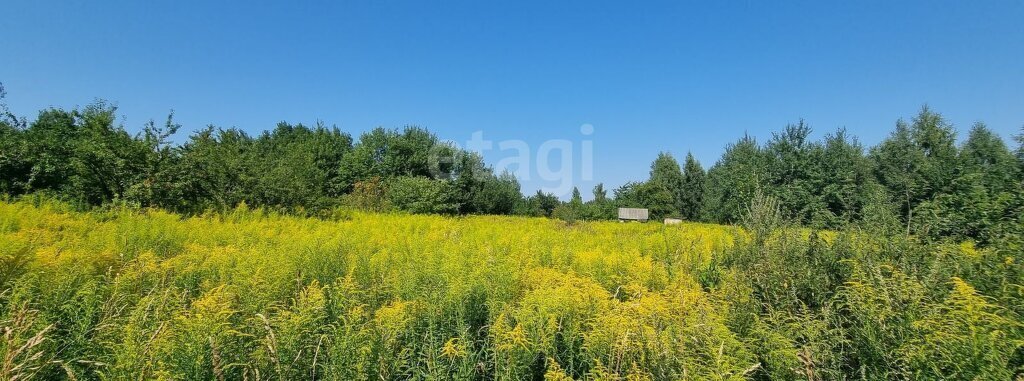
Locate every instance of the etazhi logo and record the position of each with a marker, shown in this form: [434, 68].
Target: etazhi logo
[556, 160]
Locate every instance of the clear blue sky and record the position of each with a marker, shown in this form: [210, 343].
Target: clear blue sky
[669, 76]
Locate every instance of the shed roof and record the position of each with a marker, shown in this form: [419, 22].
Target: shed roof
[633, 214]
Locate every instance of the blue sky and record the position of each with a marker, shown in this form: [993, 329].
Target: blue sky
[657, 76]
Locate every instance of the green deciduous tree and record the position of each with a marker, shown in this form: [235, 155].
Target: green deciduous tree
[600, 194]
[732, 181]
[917, 162]
[14, 165]
[50, 143]
[297, 166]
[843, 181]
[423, 195]
[692, 196]
[540, 204]
[388, 153]
[577, 198]
[498, 194]
[219, 171]
[792, 172]
[981, 199]
[83, 155]
[898, 166]
[158, 182]
[600, 208]
[986, 153]
[666, 174]
[936, 140]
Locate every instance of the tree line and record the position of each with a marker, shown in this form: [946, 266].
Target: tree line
[85, 157]
[918, 179]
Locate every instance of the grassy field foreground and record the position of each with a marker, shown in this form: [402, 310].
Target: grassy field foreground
[124, 294]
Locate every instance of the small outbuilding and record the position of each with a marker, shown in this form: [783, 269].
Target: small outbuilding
[673, 221]
[633, 214]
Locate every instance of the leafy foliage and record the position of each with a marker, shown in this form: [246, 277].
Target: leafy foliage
[692, 189]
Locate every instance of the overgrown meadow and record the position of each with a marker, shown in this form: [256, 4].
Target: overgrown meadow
[252, 295]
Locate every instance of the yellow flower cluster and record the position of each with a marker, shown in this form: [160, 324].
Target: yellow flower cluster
[253, 295]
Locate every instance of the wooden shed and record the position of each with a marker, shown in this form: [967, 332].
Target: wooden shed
[633, 214]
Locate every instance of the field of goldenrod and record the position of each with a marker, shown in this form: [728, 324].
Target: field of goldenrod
[152, 295]
[122, 294]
